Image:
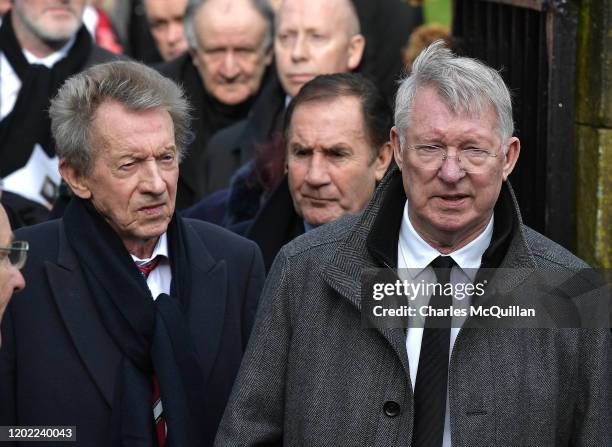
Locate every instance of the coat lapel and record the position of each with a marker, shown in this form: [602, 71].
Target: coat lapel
[93, 344]
[343, 274]
[207, 302]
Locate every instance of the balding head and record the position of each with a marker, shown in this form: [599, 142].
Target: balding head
[316, 37]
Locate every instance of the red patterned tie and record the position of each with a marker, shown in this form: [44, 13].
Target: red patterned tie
[158, 411]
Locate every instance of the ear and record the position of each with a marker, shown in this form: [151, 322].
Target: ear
[77, 182]
[511, 157]
[397, 150]
[355, 51]
[269, 55]
[382, 160]
[194, 56]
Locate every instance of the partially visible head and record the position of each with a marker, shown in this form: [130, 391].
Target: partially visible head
[52, 22]
[463, 107]
[166, 24]
[120, 130]
[231, 45]
[336, 131]
[315, 37]
[5, 5]
[11, 279]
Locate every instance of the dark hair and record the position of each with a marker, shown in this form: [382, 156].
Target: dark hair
[377, 114]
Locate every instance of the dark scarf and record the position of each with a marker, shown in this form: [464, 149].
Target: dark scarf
[29, 123]
[152, 334]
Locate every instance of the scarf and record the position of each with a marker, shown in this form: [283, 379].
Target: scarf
[29, 123]
[152, 335]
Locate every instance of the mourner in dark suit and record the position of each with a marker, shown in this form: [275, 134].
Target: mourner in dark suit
[312, 37]
[337, 142]
[315, 374]
[40, 47]
[137, 319]
[230, 49]
[12, 258]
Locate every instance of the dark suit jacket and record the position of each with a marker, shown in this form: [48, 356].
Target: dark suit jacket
[235, 145]
[58, 363]
[276, 224]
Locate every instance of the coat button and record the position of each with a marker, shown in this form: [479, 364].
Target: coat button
[391, 408]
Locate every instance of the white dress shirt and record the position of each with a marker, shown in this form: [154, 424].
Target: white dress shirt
[160, 277]
[29, 180]
[416, 254]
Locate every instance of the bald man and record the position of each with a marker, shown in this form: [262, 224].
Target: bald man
[312, 37]
[12, 257]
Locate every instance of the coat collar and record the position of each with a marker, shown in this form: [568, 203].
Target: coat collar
[372, 243]
[86, 329]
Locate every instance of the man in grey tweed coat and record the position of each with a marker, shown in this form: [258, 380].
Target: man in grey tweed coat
[313, 375]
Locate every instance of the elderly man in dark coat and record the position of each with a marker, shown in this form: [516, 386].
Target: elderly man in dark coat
[136, 321]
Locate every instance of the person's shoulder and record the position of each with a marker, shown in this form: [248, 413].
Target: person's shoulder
[173, 68]
[41, 230]
[218, 239]
[228, 137]
[549, 254]
[99, 55]
[322, 241]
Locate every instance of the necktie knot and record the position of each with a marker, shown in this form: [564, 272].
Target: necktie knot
[147, 267]
[442, 266]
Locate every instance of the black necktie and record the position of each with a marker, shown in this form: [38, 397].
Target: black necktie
[432, 374]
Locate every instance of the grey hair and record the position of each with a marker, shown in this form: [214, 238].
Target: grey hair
[132, 84]
[462, 82]
[261, 6]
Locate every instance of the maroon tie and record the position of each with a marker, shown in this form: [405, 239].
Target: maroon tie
[158, 414]
[147, 267]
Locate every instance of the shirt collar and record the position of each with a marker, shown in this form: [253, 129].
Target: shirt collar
[418, 254]
[50, 60]
[161, 249]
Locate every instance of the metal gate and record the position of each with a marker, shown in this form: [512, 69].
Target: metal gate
[533, 43]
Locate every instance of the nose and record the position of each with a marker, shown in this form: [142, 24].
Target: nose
[175, 33]
[230, 68]
[17, 279]
[152, 181]
[299, 51]
[318, 172]
[451, 171]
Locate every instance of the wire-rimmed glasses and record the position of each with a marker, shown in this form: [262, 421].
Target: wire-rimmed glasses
[471, 160]
[16, 252]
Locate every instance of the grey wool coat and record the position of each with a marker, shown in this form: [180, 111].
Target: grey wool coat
[313, 376]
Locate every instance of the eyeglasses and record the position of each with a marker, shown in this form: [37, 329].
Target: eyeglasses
[471, 160]
[16, 253]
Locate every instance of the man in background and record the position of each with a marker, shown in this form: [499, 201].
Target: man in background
[230, 50]
[42, 43]
[336, 135]
[312, 37]
[165, 20]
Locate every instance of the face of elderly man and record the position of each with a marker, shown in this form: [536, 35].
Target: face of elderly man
[231, 56]
[331, 167]
[134, 176]
[11, 279]
[315, 37]
[166, 23]
[48, 21]
[448, 206]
